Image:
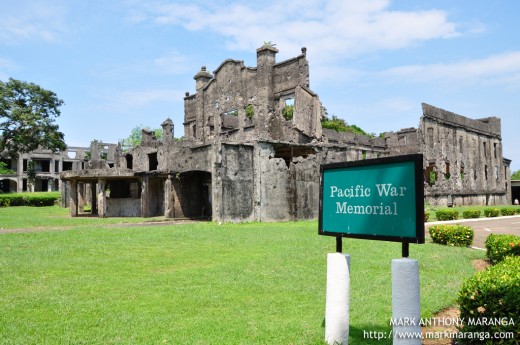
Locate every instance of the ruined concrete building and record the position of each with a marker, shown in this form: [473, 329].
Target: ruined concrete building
[252, 147]
[463, 158]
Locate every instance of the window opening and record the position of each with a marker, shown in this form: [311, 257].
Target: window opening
[430, 136]
[288, 109]
[129, 161]
[229, 119]
[152, 161]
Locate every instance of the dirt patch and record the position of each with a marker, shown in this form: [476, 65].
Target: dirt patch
[444, 322]
[480, 264]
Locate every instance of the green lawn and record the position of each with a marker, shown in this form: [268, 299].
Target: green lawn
[202, 283]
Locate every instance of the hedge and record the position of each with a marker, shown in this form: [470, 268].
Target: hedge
[493, 294]
[453, 235]
[498, 247]
[426, 215]
[508, 211]
[471, 214]
[29, 199]
[447, 214]
[491, 212]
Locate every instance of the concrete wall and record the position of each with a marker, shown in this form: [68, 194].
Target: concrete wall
[123, 207]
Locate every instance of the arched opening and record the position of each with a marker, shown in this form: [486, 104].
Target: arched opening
[8, 186]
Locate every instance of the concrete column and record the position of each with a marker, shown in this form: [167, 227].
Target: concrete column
[93, 201]
[73, 203]
[144, 197]
[102, 198]
[81, 197]
[337, 308]
[406, 302]
[168, 198]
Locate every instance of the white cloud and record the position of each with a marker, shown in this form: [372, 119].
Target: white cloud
[21, 21]
[332, 30]
[501, 69]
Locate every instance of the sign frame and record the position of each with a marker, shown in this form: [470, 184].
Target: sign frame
[417, 161]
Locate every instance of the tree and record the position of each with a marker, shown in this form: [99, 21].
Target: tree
[515, 175]
[27, 118]
[135, 138]
[340, 125]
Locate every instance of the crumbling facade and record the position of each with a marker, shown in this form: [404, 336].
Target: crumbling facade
[463, 158]
[47, 167]
[252, 147]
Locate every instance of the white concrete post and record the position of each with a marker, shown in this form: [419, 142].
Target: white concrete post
[337, 307]
[406, 302]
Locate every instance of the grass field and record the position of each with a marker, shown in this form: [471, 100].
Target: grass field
[201, 283]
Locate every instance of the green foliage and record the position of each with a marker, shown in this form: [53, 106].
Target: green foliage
[432, 177]
[508, 211]
[136, 137]
[426, 215]
[491, 294]
[447, 214]
[288, 112]
[31, 173]
[250, 111]
[29, 199]
[491, 212]
[498, 247]
[27, 118]
[515, 175]
[452, 235]
[340, 125]
[4, 170]
[467, 214]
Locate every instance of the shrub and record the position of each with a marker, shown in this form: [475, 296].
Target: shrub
[453, 235]
[498, 247]
[507, 211]
[471, 214]
[491, 212]
[426, 215]
[493, 294]
[447, 214]
[29, 199]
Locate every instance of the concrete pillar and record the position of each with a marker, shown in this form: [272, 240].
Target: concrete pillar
[406, 302]
[169, 205]
[337, 308]
[73, 203]
[81, 197]
[102, 198]
[144, 197]
[93, 194]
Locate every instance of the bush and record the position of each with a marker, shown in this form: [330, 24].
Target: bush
[491, 212]
[29, 199]
[426, 215]
[453, 235]
[498, 247]
[447, 214]
[493, 294]
[507, 211]
[471, 214]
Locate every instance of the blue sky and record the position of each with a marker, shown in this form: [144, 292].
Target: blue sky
[119, 64]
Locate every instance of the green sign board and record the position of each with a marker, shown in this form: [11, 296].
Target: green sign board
[380, 199]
